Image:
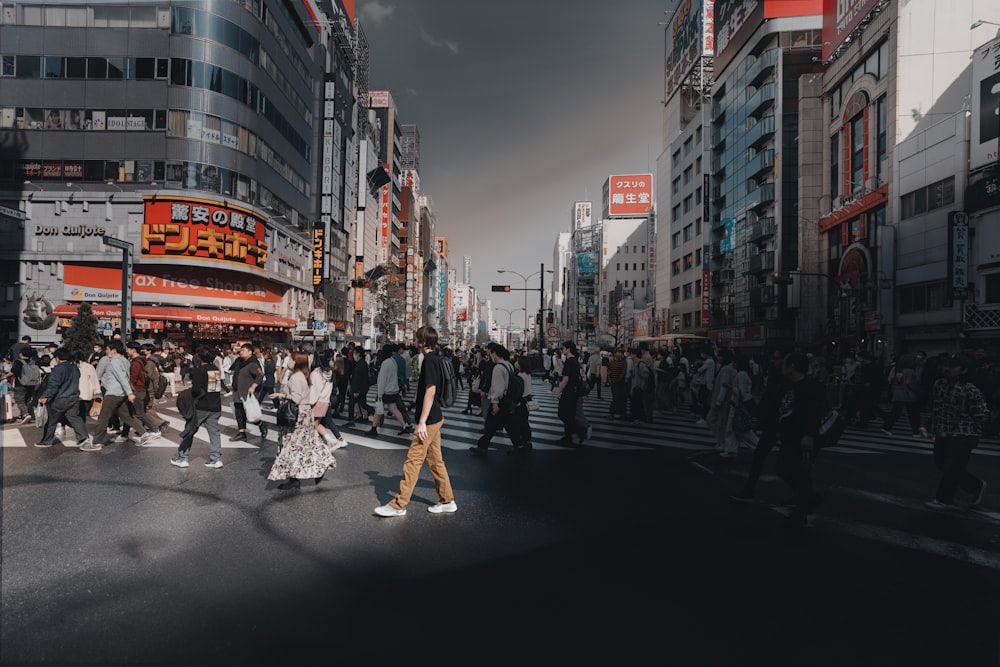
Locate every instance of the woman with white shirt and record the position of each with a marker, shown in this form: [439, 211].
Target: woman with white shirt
[321, 384]
[387, 392]
[304, 452]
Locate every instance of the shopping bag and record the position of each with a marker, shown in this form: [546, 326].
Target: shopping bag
[252, 407]
[379, 406]
[41, 416]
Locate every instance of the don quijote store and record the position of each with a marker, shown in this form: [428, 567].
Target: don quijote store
[203, 270]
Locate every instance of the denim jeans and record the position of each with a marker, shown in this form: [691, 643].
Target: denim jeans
[211, 421]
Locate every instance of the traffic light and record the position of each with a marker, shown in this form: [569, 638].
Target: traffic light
[361, 283]
[501, 288]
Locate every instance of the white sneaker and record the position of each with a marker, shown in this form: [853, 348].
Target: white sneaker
[60, 430]
[339, 444]
[217, 463]
[442, 508]
[147, 437]
[389, 510]
[87, 441]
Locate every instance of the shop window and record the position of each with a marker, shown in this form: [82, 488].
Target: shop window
[992, 292]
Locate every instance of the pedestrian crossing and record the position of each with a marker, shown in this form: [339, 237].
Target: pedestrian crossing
[675, 430]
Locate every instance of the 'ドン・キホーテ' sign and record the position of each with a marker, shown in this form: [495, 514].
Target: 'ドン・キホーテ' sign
[194, 228]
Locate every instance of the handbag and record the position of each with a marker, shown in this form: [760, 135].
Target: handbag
[742, 420]
[531, 405]
[288, 413]
[379, 406]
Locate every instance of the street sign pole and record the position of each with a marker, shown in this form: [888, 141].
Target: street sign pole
[126, 249]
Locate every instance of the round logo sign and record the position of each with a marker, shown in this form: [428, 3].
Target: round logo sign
[319, 304]
[552, 331]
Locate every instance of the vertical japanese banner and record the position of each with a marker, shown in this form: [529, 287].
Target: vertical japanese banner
[958, 255]
[318, 254]
[706, 301]
[199, 229]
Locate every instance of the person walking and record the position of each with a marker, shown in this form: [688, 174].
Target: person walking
[304, 454]
[766, 418]
[25, 375]
[905, 386]
[137, 376]
[800, 413]
[497, 419]
[519, 425]
[321, 385]
[119, 396]
[594, 371]
[960, 412]
[617, 372]
[426, 444]
[642, 380]
[567, 394]
[704, 380]
[359, 385]
[204, 407]
[248, 375]
[721, 405]
[62, 397]
[387, 390]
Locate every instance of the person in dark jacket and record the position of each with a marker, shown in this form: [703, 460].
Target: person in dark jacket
[765, 418]
[359, 384]
[800, 412]
[206, 394]
[248, 375]
[62, 396]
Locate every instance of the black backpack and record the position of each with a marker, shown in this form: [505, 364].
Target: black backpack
[515, 390]
[161, 386]
[448, 380]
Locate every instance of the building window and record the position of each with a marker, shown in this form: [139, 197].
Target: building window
[688, 261]
[697, 165]
[675, 213]
[697, 257]
[697, 288]
[697, 135]
[923, 298]
[687, 232]
[676, 240]
[687, 321]
[697, 196]
[992, 291]
[688, 291]
[677, 157]
[675, 267]
[857, 153]
[676, 185]
[835, 165]
[688, 145]
[688, 174]
[618, 266]
[697, 227]
[928, 198]
[675, 295]
[688, 203]
[880, 142]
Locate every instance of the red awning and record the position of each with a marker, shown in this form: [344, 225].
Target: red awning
[166, 314]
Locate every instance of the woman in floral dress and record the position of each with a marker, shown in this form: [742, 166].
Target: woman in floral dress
[304, 454]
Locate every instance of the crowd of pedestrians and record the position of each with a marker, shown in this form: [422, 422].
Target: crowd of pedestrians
[789, 400]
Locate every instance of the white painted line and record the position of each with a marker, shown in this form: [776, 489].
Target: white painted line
[698, 465]
[11, 437]
[897, 538]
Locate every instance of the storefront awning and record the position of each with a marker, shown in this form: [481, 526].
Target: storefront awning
[166, 314]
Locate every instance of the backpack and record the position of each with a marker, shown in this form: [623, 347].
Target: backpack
[448, 382]
[31, 374]
[161, 386]
[515, 390]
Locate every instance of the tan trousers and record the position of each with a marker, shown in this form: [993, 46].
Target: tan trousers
[429, 449]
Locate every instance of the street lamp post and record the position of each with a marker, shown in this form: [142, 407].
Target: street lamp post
[126, 249]
[510, 314]
[541, 300]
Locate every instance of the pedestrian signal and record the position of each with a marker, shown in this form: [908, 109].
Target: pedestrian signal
[501, 288]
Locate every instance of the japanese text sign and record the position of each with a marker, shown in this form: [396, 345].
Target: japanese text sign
[195, 228]
[630, 195]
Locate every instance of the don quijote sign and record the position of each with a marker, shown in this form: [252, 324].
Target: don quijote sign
[83, 231]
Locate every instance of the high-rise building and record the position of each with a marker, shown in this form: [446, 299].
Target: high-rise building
[188, 130]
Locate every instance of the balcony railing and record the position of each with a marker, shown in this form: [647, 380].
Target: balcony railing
[979, 318]
[764, 228]
[764, 194]
[762, 262]
[761, 131]
[760, 163]
[758, 71]
[763, 98]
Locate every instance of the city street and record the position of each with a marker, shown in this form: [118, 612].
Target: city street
[627, 549]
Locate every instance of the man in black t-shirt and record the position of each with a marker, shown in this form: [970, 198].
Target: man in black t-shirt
[568, 390]
[427, 435]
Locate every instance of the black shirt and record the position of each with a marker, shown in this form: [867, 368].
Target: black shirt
[800, 410]
[430, 374]
[571, 370]
[205, 388]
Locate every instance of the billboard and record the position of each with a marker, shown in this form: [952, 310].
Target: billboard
[379, 99]
[689, 36]
[630, 195]
[192, 229]
[985, 105]
[735, 21]
[581, 214]
[840, 18]
[586, 264]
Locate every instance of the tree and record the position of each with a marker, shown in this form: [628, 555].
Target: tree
[390, 303]
[81, 336]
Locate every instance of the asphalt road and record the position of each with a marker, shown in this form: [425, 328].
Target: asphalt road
[622, 552]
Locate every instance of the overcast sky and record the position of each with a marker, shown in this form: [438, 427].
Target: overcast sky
[523, 107]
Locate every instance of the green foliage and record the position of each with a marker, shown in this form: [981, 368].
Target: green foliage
[81, 336]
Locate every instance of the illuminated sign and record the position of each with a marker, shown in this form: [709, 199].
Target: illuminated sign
[198, 229]
[985, 105]
[630, 195]
[691, 36]
[318, 254]
[379, 99]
